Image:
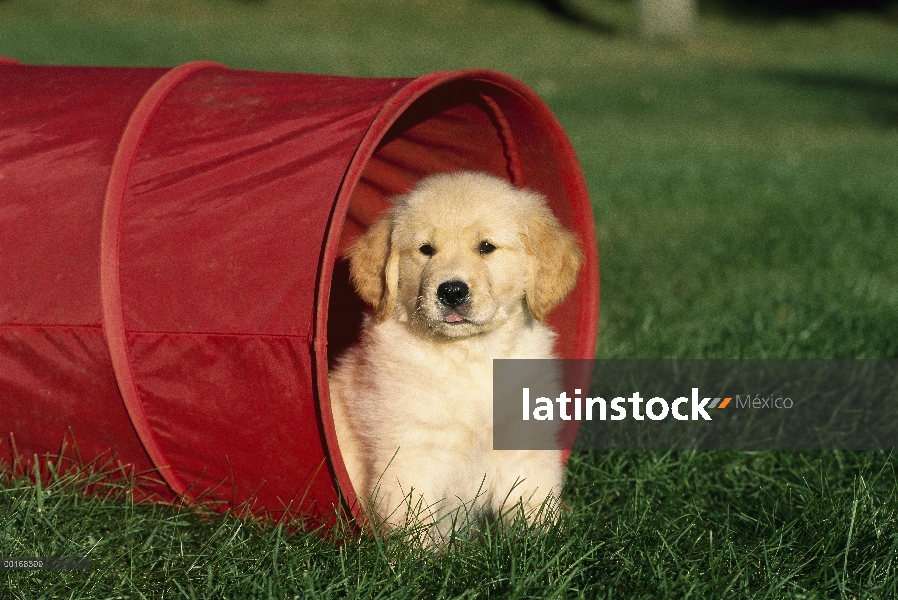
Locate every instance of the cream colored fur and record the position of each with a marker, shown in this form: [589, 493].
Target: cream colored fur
[412, 401]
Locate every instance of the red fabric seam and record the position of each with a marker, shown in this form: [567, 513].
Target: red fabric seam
[509, 146]
[110, 276]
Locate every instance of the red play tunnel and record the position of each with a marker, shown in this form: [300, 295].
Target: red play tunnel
[170, 283]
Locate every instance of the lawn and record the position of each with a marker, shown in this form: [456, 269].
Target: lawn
[745, 190]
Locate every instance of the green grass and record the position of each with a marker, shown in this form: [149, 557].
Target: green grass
[745, 187]
[644, 525]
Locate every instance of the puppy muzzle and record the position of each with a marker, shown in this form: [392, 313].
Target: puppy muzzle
[453, 293]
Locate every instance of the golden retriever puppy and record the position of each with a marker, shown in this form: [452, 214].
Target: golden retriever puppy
[462, 270]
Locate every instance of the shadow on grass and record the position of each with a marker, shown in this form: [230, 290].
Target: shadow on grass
[802, 9]
[573, 15]
[879, 96]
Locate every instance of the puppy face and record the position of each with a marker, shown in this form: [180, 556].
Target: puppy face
[463, 253]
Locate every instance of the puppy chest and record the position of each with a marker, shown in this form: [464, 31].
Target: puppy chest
[443, 396]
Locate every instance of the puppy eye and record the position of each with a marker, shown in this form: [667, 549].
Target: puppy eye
[426, 250]
[486, 247]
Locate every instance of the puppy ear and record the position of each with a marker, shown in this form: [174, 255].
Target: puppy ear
[554, 262]
[374, 267]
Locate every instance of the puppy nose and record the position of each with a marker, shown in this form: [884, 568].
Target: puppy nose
[453, 293]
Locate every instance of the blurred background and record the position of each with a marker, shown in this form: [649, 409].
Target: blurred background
[742, 155]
